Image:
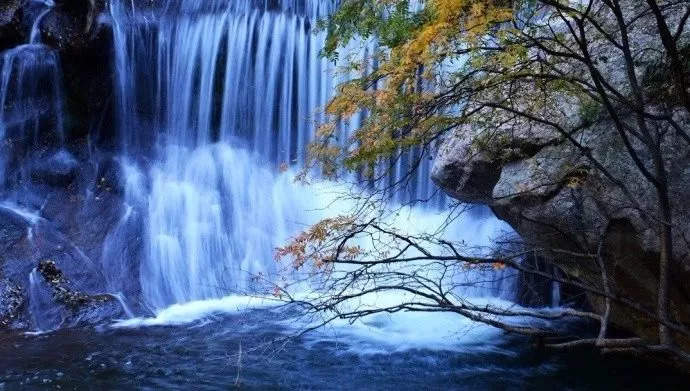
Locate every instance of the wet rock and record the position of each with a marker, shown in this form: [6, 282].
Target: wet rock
[46, 280]
[8, 8]
[13, 298]
[13, 229]
[110, 177]
[58, 170]
[62, 290]
[12, 301]
[74, 29]
[72, 23]
[78, 308]
[12, 32]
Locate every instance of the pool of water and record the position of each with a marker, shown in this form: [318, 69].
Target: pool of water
[258, 349]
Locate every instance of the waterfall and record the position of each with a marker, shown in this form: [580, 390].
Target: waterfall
[221, 70]
[198, 82]
[241, 71]
[31, 101]
[31, 112]
[121, 245]
[43, 311]
[31, 107]
[35, 36]
[214, 216]
[215, 104]
[225, 94]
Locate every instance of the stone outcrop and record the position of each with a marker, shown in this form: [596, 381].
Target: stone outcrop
[562, 205]
[72, 23]
[66, 305]
[577, 196]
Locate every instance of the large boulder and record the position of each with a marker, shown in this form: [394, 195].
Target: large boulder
[564, 207]
[576, 196]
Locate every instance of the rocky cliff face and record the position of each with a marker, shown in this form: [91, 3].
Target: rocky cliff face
[568, 210]
[563, 175]
[51, 262]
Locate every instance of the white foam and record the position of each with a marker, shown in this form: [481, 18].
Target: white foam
[405, 330]
[181, 314]
[375, 334]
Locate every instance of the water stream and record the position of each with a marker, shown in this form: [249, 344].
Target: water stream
[214, 99]
[223, 94]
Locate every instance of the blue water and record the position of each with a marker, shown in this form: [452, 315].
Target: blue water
[204, 355]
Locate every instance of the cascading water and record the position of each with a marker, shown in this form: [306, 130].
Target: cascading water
[213, 99]
[222, 70]
[211, 218]
[32, 138]
[119, 248]
[223, 93]
[248, 71]
[40, 299]
[31, 101]
[31, 112]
